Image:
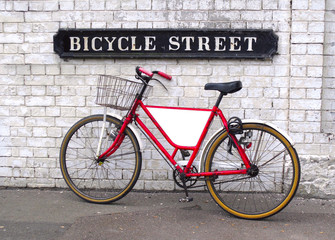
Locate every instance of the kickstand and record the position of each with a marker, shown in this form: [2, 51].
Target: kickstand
[187, 198]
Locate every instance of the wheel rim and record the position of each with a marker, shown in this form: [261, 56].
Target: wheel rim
[95, 180]
[268, 188]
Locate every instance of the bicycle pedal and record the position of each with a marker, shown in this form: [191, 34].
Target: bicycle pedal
[186, 199]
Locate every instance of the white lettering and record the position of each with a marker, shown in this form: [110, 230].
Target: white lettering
[250, 45]
[174, 43]
[233, 43]
[219, 43]
[110, 43]
[94, 47]
[188, 42]
[86, 44]
[202, 43]
[74, 44]
[120, 44]
[133, 44]
[149, 43]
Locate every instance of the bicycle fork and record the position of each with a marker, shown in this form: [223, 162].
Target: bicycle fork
[117, 141]
[101, 133]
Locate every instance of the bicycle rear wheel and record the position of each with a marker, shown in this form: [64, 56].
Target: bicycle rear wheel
[272, 184]
[93, 180]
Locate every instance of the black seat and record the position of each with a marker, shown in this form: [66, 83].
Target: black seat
[225, 88]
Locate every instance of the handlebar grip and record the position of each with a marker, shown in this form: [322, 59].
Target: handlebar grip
[146, 72]
[164, 75]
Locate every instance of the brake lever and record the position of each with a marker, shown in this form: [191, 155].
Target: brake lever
[160, 83]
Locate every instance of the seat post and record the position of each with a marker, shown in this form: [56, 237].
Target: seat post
[219, 99]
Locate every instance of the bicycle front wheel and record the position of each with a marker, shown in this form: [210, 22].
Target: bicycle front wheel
[264, 191]
[93, 180]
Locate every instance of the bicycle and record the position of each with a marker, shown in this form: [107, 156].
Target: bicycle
[250, 168]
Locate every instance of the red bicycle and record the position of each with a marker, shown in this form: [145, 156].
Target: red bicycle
[250, 167]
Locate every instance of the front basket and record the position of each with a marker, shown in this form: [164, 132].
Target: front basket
[118, 93]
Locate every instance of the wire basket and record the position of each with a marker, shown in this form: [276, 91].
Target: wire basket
[118, 93]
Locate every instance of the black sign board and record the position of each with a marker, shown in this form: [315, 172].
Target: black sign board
[165, 43]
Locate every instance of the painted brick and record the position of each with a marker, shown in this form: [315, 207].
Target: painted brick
[11, 17]
[36, 6]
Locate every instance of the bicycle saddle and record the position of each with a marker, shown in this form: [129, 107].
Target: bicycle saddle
[225, 88]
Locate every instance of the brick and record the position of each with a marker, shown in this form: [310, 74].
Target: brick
[159, 185]
[10, 27]
[311, 60]
[222, 5]
[281, 16]
[40, 101]
[269, 4]
[38, 37]
[67, 69]
[12, 101]
[297, 93]
[36, 5]
[298, 71]
[315, 49]
[307, 15]
[51, 6]
[37, 16]
[68, 16]
[300, 27]
[320, 5]
[21, 6]
[187, 5]
[300, 4]
[307, 126]
[192, 81]
[299, 49]
[6, 172]
[313, 116]
[66, 5]
[38, 69]
[227, 15]
[41, 59]
[174, 5]
[10, 48]
[251, 16]
[39, 80]
[84, 5]
[314, 71]
[45, 27]
[256, 103]
[97, 5]
[306, 104]
[316, 27]
[38, 90]
[128, 5]
[11, 17]
[11, 38]
[206, 5]
[307, 38]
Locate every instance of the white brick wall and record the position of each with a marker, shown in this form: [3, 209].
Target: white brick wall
[44, 95]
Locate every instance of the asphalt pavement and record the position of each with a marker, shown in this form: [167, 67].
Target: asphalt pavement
[59, 214]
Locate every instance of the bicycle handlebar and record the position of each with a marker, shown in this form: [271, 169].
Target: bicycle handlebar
[140, 70]
[164, 75]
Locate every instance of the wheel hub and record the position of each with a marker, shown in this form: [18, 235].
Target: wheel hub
[253, 170]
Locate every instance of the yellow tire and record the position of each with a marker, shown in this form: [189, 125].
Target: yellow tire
[266, 190]
[93, 180]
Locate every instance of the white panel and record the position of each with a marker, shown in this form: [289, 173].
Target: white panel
[184, 127]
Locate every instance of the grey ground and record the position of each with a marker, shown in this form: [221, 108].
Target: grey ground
[59, 214]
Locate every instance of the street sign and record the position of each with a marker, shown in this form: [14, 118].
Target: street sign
[165, 43]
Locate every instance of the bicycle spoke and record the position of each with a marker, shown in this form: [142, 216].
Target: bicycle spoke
[256, 195]
[106, 179]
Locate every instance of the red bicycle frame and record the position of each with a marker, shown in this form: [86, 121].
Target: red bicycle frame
[215, 111]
